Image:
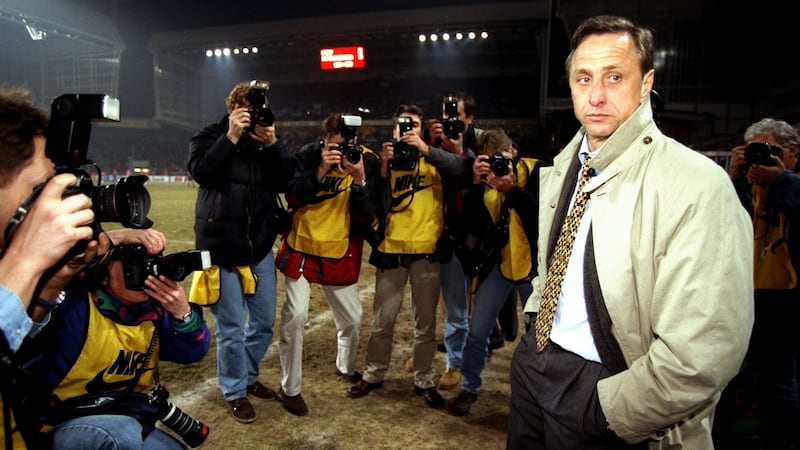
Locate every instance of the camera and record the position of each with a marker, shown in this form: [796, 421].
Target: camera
[451, 124]
[260, 113]
[137, 264]
[348, 126]
[759, 153]
[405, 154]
[488, 252]
[192, 431]
[68, 131]
[499, 164]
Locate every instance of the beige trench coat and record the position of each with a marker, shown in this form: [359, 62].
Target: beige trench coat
[674, 259]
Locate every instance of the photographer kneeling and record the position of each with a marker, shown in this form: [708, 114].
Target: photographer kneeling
[111, 331]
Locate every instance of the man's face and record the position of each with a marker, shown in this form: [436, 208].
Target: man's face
[607, 84]
[462, 116]
[38, 169]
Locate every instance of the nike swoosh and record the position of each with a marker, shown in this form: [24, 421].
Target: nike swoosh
[97, 384]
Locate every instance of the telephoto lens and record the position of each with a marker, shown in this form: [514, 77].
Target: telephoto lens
[191, 430]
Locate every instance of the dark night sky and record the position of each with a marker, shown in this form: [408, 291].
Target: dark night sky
[137, 20]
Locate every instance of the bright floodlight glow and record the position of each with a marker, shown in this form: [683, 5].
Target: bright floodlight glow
[471, 35]
[236, 51]
[245, 50]
[217, 52]
[484, 35]
[459, 36]
[422, 38]
[254, 49]
[226, 51]
[446, 36]
[434, 37]
[209, 53]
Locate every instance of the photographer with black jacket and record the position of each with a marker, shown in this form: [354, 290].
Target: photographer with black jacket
[241, 167]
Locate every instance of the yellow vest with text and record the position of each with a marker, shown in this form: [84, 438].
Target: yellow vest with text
[111, 356]
[415, 221]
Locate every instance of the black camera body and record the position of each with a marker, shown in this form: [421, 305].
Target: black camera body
[348, 127]
[499, 164]
[260, 112]
[451, 124]
[68, 132]
[137, 264]
[487, 254]
[192, 431]
[759, 153]
[405, 154]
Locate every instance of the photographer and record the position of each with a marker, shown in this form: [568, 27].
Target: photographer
[32, 263]
[110, 340]
[241, 167]
[329, 195]
[763, 171]
[502, 206]
[409, 206]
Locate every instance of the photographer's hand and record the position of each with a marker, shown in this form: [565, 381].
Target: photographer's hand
[765, 175]
[265, 135]
[455, 146]
[481, 169]
[169, 293]
[387, 154]
[415, 140]
[331, 159]
[50, 229]
[736, 162]
[153, 240]
[238, 121]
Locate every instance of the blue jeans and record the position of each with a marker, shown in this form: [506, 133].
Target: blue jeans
[110, 432]
[455, 285]
[243, 327]
[486, 304]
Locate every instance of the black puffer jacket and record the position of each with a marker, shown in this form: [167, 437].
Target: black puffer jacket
[236, 203]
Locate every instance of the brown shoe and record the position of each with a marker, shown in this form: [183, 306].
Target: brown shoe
[362, 388]
[258, 390]
[294, 404]
[242, 410]
[450, 379]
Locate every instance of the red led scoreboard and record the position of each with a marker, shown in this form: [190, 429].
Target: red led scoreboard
[341, 58]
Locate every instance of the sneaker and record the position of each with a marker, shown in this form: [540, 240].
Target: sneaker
[258, 390]
[353, 378]
[242, 410]
[294, 404]
[450, 379]
[431, 396]
[463, 402]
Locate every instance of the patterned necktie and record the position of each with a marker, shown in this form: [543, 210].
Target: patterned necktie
[555, 275]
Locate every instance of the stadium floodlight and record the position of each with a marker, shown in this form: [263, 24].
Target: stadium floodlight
[236, 51]
[254, 50]
[226, 51]
[459, 36]
[245, 50]
[209, 53]
[471, 35]
[36, 34]
[423, 38]
[484, 35]
[218, 52]
[434, 37]
[446, 36]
